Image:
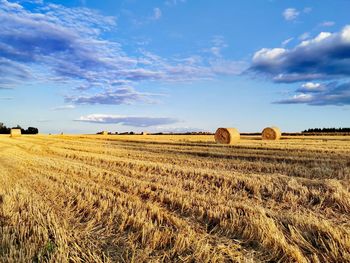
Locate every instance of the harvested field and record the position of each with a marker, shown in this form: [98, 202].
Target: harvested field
[174, 199]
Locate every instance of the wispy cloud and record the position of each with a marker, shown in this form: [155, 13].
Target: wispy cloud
[304, 36]
[311, 87]
[64, 107]
[290, 14]
[157, 13]
[287, 41]
[43, 120]
[31, 1]
[218, 44]
[174, 2]
[6, 98]
[12, 72]
[133, 121]
[121, 95]
[68, 45]
[327, 23]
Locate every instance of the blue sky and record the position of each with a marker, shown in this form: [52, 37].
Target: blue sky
[174, 65]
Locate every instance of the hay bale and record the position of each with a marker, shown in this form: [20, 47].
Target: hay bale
[271, 133]
[144, 133]
[16, 132]
[227, 135]
[104, 133]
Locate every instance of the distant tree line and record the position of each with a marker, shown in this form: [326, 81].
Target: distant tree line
[7, 130]
[327, 130]
[158, 133]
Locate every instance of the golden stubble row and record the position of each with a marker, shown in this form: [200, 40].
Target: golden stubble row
[116, 202]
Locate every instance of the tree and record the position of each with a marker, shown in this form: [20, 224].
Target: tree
[30, 130]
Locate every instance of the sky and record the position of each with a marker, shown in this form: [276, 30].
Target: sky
[82, 66]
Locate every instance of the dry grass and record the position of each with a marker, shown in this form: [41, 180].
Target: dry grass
[174, 199]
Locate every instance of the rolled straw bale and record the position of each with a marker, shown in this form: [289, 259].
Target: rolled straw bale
[144, 133]
[271, 133]
[16, 132]
[104, 132]
[227, 135]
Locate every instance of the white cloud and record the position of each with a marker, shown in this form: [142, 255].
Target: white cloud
[267, 55]
[290, 14]
[134, 121]
[285, 42]
[325, 56]
[227, 67]
[157, 13]
[31, 1]
[299, 98]
[319, 38]
[304, 36]
[174, 2]
[345, 34]
[333, 93]
[116, 96]
[311, 87]
[218, 44]
[327, 23]
[64, 107]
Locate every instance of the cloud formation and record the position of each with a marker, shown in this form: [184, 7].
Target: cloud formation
[121, 95]
[326, 56]
[69, 46]
[127, 120]
[337, 94]
[285, 42]
[157, 13]
[64, 107]
[290, 14]
[174, 2]
[327, 23]
[311, 87]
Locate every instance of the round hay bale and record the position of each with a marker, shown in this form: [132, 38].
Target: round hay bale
[227, 135]
[144, 133]
[271, 133]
